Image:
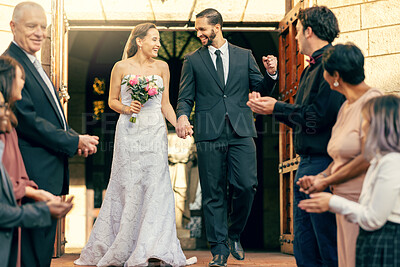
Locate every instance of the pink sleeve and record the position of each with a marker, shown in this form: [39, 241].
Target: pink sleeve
[14, 164]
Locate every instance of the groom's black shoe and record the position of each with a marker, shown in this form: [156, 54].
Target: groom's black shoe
[218, 260]
[236, 249]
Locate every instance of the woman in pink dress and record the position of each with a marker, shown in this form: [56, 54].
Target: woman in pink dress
[344, 71]
[378, 209]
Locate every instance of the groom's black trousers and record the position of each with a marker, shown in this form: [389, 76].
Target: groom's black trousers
[229, 158]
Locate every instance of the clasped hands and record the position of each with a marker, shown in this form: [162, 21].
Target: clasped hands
[87, 145]
[183, 127]
[57, 207]
[314, 185]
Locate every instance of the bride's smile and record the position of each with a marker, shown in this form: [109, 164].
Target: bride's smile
[130, 229]
[151, 43]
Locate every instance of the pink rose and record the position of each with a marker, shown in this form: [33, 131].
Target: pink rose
[152, 91]
[134, 81]
[150, 85]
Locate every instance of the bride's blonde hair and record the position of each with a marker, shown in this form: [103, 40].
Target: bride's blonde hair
[140, 31]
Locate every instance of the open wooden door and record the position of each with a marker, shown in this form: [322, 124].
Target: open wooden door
[291, 65]
[59, 76]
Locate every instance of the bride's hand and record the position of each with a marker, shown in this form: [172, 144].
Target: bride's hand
[135, 107]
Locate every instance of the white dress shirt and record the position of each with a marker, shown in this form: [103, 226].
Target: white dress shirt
[224, 56]
[225, 59]
[47, 81]
[380, 195]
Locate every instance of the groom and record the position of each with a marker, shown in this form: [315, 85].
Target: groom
[218, 77]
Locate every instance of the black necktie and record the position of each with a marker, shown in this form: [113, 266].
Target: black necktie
[220, 67]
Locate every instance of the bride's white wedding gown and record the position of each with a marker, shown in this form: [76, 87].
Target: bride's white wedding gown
[137, 218]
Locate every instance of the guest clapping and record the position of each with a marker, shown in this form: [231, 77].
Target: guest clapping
[378, 210]
[344, 71]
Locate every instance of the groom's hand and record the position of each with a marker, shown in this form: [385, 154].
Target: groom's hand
[182, 127]
[189, 130]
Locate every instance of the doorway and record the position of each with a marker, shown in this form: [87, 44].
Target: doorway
[92, 55]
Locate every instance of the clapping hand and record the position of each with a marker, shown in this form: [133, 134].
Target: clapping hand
[261, 105]
[311, 184]
[87, 145]
[318, 203]
[271, 64]
[59, 209]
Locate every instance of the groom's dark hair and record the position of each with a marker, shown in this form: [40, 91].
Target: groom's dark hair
[212, 15]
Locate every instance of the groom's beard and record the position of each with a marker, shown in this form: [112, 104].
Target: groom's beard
[210, 38]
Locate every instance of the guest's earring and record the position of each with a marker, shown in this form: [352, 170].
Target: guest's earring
[336, 83]
[140, 47]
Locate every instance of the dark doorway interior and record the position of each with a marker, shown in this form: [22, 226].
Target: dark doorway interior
[91, 58]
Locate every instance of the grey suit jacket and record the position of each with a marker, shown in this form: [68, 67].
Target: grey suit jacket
[200, 85]
[12, 215]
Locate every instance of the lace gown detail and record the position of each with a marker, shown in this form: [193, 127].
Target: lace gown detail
[137, 218]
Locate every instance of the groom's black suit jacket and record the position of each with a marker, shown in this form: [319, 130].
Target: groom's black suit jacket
[45, 145]
[213, 100]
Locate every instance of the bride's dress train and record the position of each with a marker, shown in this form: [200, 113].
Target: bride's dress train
[137, 218]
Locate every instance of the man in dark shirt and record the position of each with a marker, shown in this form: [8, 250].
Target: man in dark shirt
[312, 118]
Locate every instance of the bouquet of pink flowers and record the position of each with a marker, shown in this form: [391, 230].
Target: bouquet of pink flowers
[141, 89]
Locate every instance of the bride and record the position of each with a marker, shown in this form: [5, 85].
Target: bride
[136, 223]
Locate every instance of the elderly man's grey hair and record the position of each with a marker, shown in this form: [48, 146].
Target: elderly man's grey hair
[18, 10]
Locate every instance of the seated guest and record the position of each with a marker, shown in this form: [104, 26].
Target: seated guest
[11, 214]
[378, 209]
[344, 71]
[11, 84]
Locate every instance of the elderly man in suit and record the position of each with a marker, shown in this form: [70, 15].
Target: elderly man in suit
[218, 77]
[11, 214]
[45, 139]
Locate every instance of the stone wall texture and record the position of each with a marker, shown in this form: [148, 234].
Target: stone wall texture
[374, 26]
